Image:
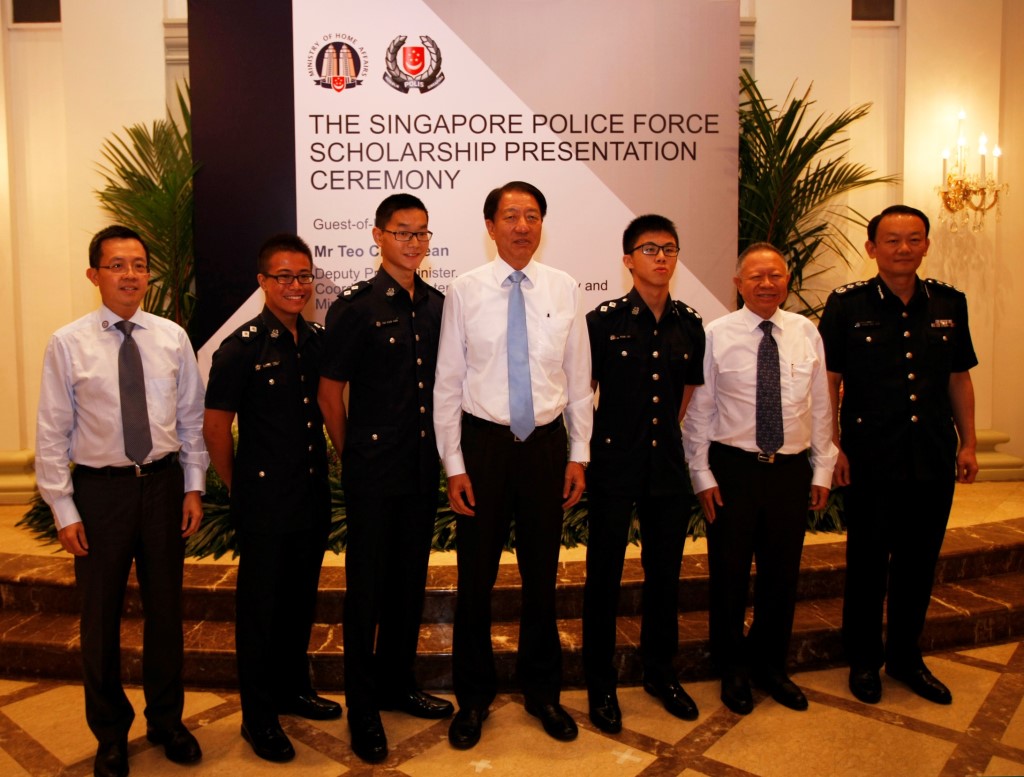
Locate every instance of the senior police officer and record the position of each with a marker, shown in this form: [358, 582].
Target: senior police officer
[382, 346]
[266, 372]
[647, 352]
[900, 349]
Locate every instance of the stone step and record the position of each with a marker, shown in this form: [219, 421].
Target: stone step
[963, 613]
[47, 583]
[978, 598]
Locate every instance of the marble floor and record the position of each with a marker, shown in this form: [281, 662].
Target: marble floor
[43, 732]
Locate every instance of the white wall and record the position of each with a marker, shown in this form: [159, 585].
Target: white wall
[67, 87]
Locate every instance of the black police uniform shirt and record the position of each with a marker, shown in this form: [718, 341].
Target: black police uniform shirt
[642, 367]
[280, 479]
[896, 419]
[384, 345]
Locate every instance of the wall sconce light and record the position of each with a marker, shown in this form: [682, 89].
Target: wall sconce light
[967, 197]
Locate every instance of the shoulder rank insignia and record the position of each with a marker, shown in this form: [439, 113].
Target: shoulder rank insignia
[850, 287]
[355, 289]
[936, 282]
[682, 307]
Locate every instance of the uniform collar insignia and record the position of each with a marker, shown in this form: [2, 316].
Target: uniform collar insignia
[390, 292]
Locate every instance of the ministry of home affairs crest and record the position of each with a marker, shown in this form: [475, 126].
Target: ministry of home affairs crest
[413, 67]
[337, 62]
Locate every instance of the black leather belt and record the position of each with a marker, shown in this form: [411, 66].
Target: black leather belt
[134, 470]
[483, 423]
[761, 458]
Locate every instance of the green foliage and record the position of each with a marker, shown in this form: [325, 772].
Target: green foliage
[148, 176]
[792, 169]
[216, 535]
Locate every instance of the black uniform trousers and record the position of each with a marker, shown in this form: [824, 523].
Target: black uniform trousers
[894, 533]
[663, 532]
[524, 481]
[386, 557]
[763, 517]
[275, 602]
[126, 518]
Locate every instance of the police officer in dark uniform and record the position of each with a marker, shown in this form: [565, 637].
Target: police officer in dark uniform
[382, 347]
[900, 349]
[647, 352]
[266, 373]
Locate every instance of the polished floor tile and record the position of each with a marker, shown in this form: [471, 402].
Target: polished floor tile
[43, 733]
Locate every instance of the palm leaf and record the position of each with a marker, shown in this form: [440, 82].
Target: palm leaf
[148, 174]
[792, 167]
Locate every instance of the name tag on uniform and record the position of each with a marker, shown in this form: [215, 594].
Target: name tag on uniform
[867, 324]
[266, 365]
[620, 337]
[943, 323]
[390, 322]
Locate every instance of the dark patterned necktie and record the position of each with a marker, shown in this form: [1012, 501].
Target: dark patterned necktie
[769, 393]
[132, 385]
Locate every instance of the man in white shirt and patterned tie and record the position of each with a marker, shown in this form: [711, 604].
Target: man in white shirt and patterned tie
[514, 357]
[758, 441]
[121, 397]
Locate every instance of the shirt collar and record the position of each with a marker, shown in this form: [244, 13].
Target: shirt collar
[503, 269]
[107, 318]
[753, 320]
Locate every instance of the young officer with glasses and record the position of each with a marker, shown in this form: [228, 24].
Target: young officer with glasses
[267, 373]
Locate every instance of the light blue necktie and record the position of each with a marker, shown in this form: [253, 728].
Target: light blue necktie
[520, 391]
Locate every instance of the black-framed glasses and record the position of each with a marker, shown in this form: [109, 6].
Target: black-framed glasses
[287, 279]
[404, 236]
[652, 249]
[120, 268]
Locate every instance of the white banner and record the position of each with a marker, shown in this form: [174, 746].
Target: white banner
[612, 109]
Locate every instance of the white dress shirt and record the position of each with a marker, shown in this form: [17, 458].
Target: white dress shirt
[472, 359]
[724, 408]
[79, 416]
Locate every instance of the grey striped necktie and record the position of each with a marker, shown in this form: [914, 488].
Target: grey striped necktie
[132, 385]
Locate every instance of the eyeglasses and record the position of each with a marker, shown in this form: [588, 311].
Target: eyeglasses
[287, 279]
[405, 237]
[652, 249]
[120, 268]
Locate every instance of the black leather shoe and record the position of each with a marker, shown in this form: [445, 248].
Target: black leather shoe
[736, 694]
[312, 706]
[866, 685]
[556, 721]
[464, 732]
[111, 759]
[369, 741]
[783, 690]
[923, 683]
[420, 705]
[676, 700]
[269, 742]
[605, 712]
[179, 744]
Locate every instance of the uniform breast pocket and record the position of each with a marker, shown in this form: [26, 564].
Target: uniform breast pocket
[940, 349]
[162, 400]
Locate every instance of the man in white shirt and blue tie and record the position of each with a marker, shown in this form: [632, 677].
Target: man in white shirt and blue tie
[758, 441]
[500, 396]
